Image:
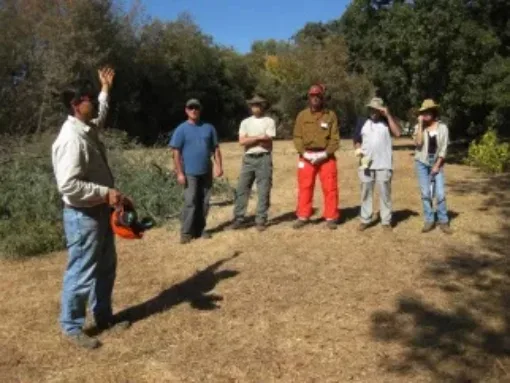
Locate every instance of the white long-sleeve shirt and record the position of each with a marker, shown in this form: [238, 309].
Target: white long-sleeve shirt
[79, 160]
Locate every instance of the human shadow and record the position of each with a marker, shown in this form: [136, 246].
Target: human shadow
[196, 290]
[400, 216]
[467, 337]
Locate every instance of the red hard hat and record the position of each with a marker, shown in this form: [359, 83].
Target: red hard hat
[317, 90]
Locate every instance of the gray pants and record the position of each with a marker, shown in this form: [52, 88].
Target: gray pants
[197, 195]
[255, 168]
[383, 179]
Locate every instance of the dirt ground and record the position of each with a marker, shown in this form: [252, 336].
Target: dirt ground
[290, 306]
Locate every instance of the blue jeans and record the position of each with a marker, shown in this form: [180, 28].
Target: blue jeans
[91, 267]
[424, 177]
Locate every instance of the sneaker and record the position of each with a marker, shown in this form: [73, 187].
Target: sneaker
[114, 326]
[429, 226]
[185, 239]
[299, 224]
[261, 227]
[445, 228]
[332, 224]
[84, 341]
[363, 226]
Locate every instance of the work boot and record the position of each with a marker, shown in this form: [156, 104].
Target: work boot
[331, 224]
[429, 226]
[261, 226]
[185, 239]
[445, 228]
[299, 224]
[84, 341]
[237, 224]
[363, 226]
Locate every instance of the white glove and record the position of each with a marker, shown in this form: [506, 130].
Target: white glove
[319, 157]
[309, 156]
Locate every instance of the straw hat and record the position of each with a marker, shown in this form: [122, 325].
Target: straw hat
[376, 103]
[428, 104]
[257, 100]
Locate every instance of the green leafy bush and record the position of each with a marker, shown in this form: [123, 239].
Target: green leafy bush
[489, 153]
[31, 207]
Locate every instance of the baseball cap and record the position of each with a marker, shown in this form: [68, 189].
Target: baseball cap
[193, 102]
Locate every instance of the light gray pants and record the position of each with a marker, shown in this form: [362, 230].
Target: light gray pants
[368, 180]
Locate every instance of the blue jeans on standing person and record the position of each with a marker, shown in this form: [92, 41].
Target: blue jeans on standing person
[91, 267]
[425, 178]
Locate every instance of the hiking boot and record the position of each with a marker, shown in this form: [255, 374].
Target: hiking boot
[429, 226]
[84, 341]
[363, 226]
[237, 225]
[113, 326]
[206, 235]
[262, 226]
[299, 224]
[445, 228]
[185, 239]
[332, 224]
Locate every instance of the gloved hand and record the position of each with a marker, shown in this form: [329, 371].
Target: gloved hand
[319, 157]
[309, 156]
[358, 152]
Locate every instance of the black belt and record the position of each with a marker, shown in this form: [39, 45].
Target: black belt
[258, 154]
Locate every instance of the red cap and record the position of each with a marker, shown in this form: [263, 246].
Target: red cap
[317, 90]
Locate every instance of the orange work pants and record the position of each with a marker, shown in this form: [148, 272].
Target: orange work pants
[307, 173]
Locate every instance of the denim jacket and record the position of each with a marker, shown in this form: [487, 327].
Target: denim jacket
[422, 151]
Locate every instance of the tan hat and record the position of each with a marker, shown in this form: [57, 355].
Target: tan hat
[428, 104]
[376, 103]
[257, 100]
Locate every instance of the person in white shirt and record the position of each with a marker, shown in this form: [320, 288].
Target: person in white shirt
[373, 144]
[256, 135]
[86, 183]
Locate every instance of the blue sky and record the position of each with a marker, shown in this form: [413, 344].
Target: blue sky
[238, 23]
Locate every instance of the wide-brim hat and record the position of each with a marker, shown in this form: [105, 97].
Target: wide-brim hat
[376, 103]
[257, 100]
[428, 104]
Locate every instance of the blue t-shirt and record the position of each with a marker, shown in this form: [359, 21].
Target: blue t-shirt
[196, 144]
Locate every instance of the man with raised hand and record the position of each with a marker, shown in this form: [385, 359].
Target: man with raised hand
[256, 135]
[86, 183]
[373, 145]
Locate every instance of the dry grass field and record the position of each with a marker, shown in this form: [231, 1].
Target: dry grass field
[290, 306]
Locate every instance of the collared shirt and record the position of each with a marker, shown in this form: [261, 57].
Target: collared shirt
[257, 126]
[316, 131]
[376, 144]
[79, 161]
[442, 141]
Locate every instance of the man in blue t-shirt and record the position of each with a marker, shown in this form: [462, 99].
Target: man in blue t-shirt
[193, 144]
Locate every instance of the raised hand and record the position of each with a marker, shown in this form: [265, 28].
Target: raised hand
[106, 76]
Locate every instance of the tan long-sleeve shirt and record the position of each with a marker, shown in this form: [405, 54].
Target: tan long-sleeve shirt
[316, 131]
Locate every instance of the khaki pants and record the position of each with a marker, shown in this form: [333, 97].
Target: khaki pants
[370, 178]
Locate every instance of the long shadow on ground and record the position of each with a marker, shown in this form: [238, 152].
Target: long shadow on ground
[469, 339]
[194, 290]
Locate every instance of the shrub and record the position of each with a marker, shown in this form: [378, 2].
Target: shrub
[31, 207]
[489, 153]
